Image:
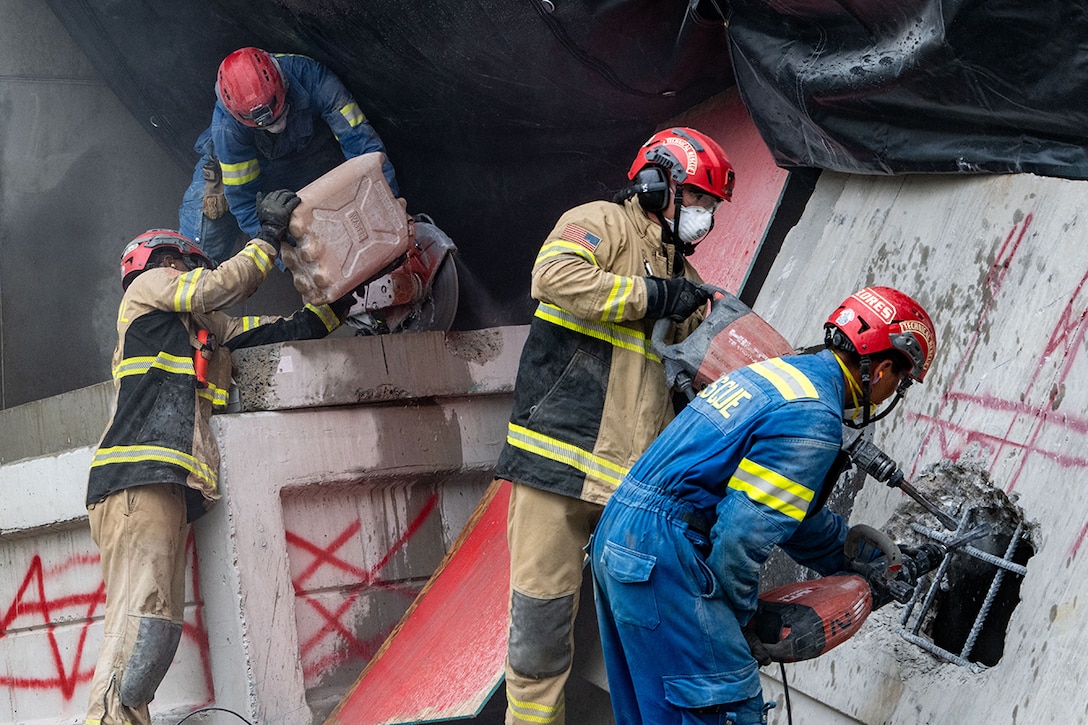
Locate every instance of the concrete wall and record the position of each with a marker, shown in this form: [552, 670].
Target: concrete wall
[1000, 263]
[331, 521]
[79, 178]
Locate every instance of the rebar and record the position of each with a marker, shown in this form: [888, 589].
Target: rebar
[1003, 565]
[999, 576]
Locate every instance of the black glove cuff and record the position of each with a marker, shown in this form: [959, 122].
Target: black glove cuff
[656, 297]
[271, 236]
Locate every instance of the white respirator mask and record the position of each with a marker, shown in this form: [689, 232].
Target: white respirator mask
[695, 223]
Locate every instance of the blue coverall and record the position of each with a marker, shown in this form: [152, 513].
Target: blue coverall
[677, 553]
[255, 160]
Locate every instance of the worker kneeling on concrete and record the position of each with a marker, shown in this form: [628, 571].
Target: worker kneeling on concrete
[156, 467]
[746, 466]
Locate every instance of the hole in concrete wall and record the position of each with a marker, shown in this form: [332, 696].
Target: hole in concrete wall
[962, 612]
[957, 611]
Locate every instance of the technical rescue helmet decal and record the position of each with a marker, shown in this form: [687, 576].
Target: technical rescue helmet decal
[688, 157]
[882, 318]
[138, 252]
[251, 86]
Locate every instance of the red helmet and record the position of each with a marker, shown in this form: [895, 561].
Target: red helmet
[881, 318]
[250, 84]
[137, 253]
[689, 157]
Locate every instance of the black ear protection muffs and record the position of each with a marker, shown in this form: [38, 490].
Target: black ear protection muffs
[652, 187]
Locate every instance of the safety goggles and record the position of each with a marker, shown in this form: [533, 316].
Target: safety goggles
[691, 196]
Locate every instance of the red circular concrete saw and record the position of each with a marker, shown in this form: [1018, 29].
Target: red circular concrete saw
[730, 337]
[805, 619]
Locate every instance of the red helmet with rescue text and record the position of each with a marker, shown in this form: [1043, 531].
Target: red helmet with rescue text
[250, 84]
[138, 252]
[882, 318]
[688, 157]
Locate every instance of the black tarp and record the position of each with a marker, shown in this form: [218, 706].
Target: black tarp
[936, 86]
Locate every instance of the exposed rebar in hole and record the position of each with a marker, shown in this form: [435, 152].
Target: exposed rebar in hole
[962, 614]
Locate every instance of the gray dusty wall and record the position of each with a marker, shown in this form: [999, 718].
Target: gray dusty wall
[79, 178]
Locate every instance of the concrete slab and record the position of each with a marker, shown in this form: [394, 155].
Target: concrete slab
[365, 369]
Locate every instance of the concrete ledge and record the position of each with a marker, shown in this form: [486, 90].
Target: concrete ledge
[354, 370]
[49, 493]
[55, 424]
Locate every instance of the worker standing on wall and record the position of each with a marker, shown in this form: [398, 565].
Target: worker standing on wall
[275, 125]
[156, 467]
[746, 466]
[590, 394]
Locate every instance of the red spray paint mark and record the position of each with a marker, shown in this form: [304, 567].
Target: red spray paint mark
[1015, 426]
[31, 600]
[334, 620]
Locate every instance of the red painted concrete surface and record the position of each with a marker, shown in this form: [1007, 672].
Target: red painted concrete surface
[727, 253]
[445, 658]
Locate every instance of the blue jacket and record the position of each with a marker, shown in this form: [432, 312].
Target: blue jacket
[313, 93]
[753, 452]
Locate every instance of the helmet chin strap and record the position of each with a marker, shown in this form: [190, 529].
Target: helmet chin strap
[866, 388]
[671, 232]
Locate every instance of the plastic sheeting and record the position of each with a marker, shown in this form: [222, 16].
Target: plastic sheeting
[939, 86]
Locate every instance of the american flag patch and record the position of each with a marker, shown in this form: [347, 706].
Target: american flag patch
[575, 233]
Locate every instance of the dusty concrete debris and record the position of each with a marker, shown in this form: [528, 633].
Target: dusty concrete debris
[960, 487]
[477, 346]
[254, 371]
[962, 616]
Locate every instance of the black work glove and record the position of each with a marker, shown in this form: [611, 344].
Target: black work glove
[274, 214]
[755, 644]
[342, 306]
[675, 298]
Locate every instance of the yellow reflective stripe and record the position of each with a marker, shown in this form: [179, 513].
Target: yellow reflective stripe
[790, 382]
[562, 452]
[160, 454]
[326, 315]
[615, 335]
[535, 711]
[186, 291]
[617, 298]
[352, 114]
[240, 173]
[558, 247]
[259, 257]
[218, 396]
[250, 322]
[772, 489]
[162, 361]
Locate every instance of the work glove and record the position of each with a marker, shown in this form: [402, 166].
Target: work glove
[755, 644]
[675, 298]
[342, 307]
[274, 214]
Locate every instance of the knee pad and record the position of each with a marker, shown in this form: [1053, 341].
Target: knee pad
[156, 642]
[540, 631]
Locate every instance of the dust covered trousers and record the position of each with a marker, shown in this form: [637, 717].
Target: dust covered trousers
[589, 397]
[677, 553]
[156, 466]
